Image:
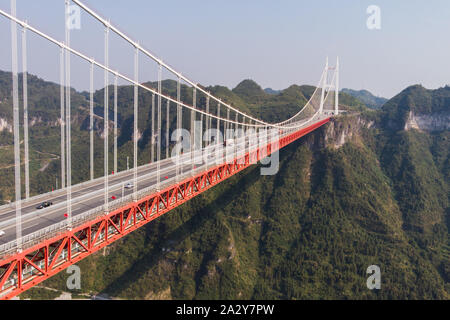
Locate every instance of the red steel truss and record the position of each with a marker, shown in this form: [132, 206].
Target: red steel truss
[24, 270]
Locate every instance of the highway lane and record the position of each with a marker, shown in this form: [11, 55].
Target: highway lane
[58, 196]
[94, 195]
[93, 198]
[82, 189]
[90, 195]
[40, 219]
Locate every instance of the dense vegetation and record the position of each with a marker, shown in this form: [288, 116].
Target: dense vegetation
[367, 98]
[309, 232]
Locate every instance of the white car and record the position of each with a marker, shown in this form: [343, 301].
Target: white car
[229, 143]
[2, 233]
[129, 185]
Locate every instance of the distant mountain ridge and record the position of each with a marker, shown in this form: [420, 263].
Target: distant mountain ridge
[419, 108]
[271, 91]
[367, 98]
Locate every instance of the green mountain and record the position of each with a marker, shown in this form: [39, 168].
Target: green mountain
[419, 108]
[367, 98]
[369, 188]
[272, 91]
[250, 90]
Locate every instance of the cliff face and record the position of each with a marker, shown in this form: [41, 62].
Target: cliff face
[418, 108]
[346, 129]
[428, 122]
[5, 126]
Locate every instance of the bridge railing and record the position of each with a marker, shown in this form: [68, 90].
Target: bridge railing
[53, 230]
[44, 196]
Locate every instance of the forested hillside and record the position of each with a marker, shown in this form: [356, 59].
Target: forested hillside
[366, 97]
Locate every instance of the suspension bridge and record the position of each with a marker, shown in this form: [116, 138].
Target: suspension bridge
[218, 142]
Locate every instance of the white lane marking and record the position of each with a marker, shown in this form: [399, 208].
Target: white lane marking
[94, 194]
[53, 213]
[170, 169]
[82, 187]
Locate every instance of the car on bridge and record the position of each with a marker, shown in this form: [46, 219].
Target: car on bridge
[129, 185]
[228, 143]
[44, 205]
[2, 233]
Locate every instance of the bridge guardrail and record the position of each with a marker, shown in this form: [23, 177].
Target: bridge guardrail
[53, 230]
[82, 197]
[79, 185]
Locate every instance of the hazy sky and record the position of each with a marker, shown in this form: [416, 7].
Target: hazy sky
[275, 43]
